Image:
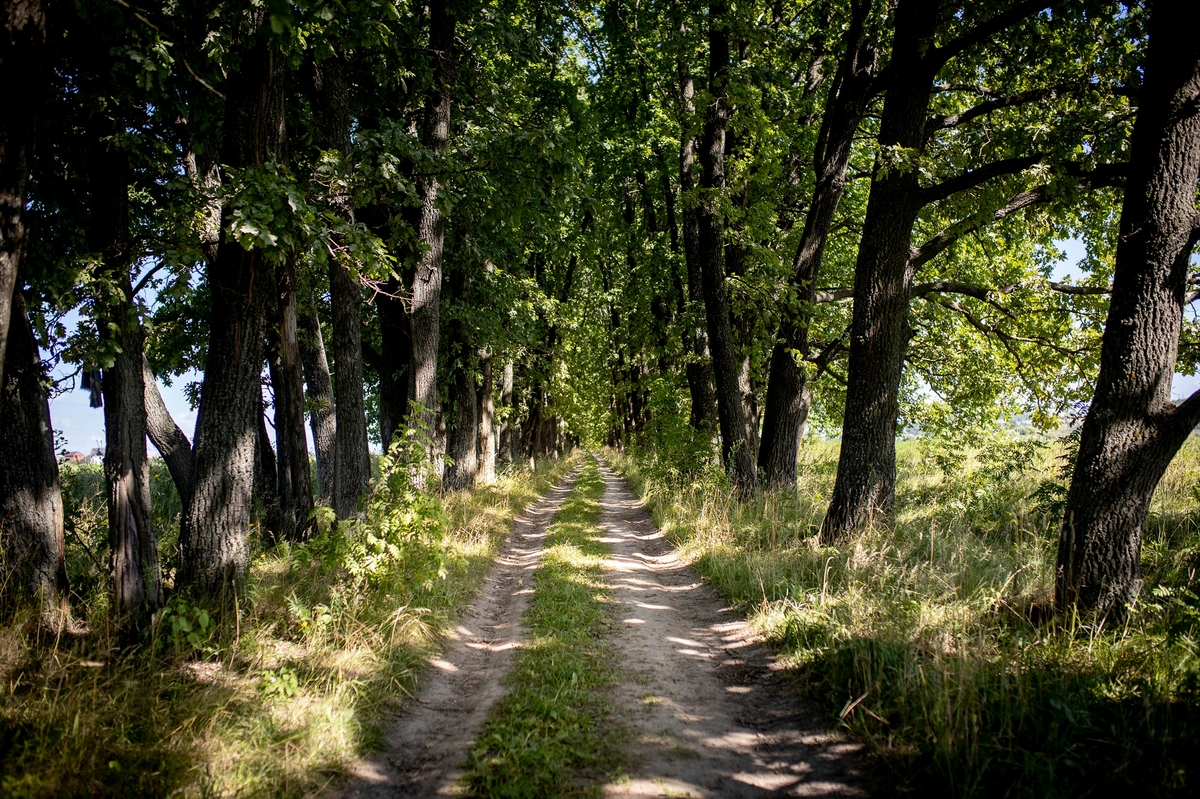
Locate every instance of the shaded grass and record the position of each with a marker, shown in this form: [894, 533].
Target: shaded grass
[283, 708]
[551, 735]
[930, 638]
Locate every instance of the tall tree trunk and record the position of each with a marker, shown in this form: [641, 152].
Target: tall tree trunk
[789, 396]
[462, 433]
[31, 512]
[213, 531]
[737, 451]
[507, 448]
[1132, 429]
[879, 332]
[331, 100]
[695, 336]
[136, 575]
[487, 426]
[266, 480]
[22, 74]
[426, 289]
[395, 358]
[319, 391]
[295, 481]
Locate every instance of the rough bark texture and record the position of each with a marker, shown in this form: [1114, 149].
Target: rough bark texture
[866, 476]
[1132, 429]
[31, 513]
[462, 429]
[395, 359]
[737, 451]
[171, 442]
[426, 288]
[22, 44]
[789, 397]
[487, 421]
[133, 547]
[331, 102]
[699, 367]
[506, 453]
[295, 482]
[213, 531]
[319, 392]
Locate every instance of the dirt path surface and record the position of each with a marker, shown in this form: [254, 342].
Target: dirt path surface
[709, 712]
[426, 747]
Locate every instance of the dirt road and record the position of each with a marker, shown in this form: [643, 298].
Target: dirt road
[707, 711]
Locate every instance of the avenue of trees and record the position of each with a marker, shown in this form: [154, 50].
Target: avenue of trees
[520, 225]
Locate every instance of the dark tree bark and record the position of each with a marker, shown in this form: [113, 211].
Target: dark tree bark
[395, 359]
[695, 335]
[426, 289]
[213, 531]
[487, 421]
[879, 333]
[462, 430]
[319, 392]
[287, 377]
[331, 102]
[737, 451]
[1133, 429]
[266, 480]
[136, 574]
[866, 476]
[171, 442]
[22, 74]
[789, 396]
[506, 452]
[31, 512]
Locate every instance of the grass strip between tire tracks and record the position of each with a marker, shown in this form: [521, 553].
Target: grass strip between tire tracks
[552, 734]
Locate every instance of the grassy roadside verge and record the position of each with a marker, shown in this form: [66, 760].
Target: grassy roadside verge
[276, 700]
[551, 733]
[930, 639]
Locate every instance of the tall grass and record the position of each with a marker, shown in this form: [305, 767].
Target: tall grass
[932, 639]
[275, 699]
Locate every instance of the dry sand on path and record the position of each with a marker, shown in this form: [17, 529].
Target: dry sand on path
[707, 709]
[710, 712]
[426, 746]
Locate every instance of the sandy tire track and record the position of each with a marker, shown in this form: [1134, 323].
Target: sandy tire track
[709, 710]
[427, 745]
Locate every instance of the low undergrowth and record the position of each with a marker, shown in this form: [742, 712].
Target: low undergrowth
[551, 734]
[932, 639]
[273, 699]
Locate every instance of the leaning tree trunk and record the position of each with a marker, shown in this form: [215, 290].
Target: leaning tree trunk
[487, 421]
[789, 396]
[1132, 429]
[319, 392]
[353, 459]
[879, 332]
[22, 57]
[136, 577]
[736, 450]
[213, 531]
[171, 442]
[31, 512]
[426, 289]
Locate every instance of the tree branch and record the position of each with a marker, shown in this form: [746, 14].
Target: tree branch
[972, 178]
[984, 31]
[167, 438]
[941, 122]
[936, 245]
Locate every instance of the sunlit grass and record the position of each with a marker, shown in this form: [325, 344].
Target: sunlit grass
[551, 735]
[280, 698]
[932, 639]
